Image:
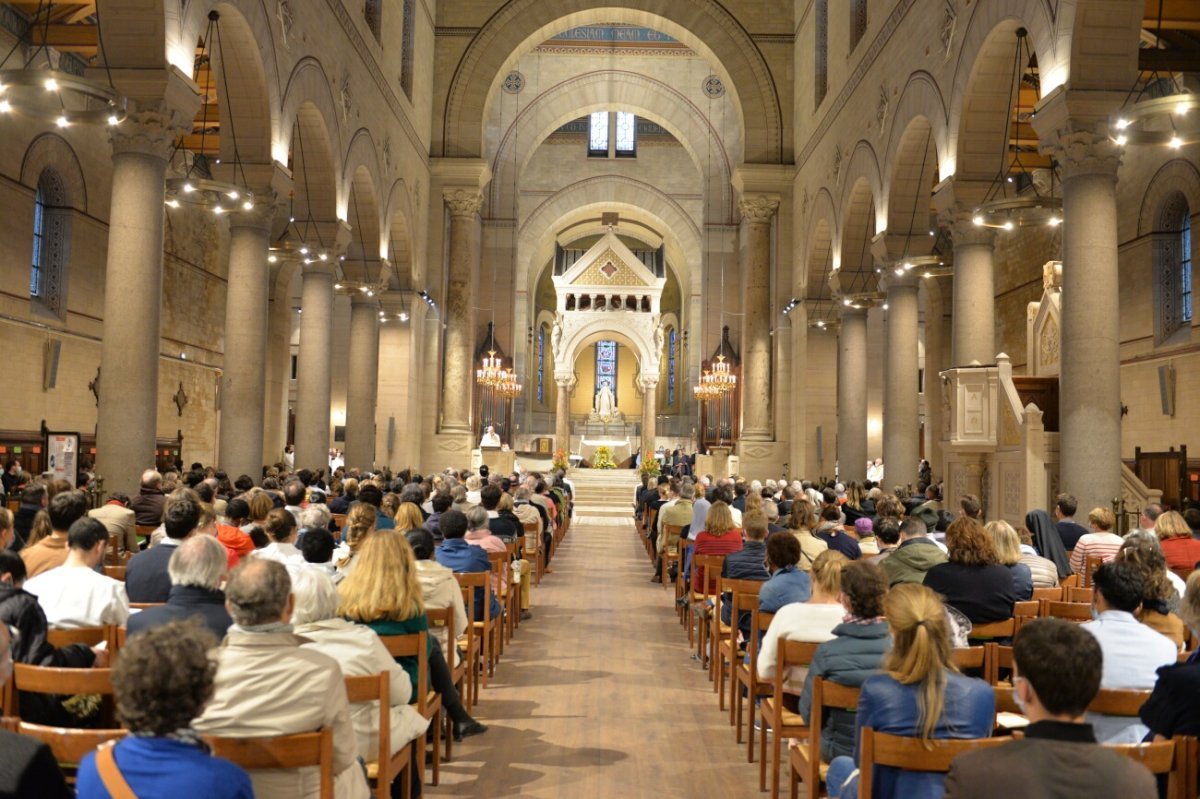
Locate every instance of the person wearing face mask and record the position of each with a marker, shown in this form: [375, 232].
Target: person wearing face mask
[1056, 673]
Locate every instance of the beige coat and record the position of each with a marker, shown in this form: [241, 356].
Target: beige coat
[268, 684]
[121, 525]
[360, 653]
[440, 590]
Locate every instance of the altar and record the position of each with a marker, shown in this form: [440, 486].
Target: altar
[620, 447]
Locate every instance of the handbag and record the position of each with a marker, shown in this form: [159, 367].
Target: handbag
[114, 781]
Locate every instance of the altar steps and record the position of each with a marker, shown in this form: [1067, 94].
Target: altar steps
[604, 493]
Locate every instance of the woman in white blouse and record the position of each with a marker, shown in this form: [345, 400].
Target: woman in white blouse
[812, 621]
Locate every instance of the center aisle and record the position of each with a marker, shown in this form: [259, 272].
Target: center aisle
[597, 695]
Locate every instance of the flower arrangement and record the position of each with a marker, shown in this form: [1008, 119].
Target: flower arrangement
[604, 458]
[649, 466]
[560, 462]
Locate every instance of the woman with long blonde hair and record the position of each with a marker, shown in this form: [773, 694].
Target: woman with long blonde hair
[384, 594]
[920, 694]
[408, 517]
[360, 523]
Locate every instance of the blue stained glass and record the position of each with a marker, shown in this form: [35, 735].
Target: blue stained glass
[606, 366]
[671, 368]
[1185, 267]
[541, 361]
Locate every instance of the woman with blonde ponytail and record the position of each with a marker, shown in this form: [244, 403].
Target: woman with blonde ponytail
[920, 695]
[360, 523]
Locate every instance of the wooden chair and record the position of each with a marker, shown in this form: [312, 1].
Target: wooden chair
[1118, 702]
[743, 598]
[91, 636]
[115, 572]
[144, 605]
[533, 532]
[427, 700]
[69, 745]
[711, 565]
[911, 754]
[386, 766]
[650, 517]
[60, 681]
[784, 723]
[485, 629]
[470, 643]
[1070, 581]
[1175, 757]
[1071, 594]
[1077, 612]
[745, 673]
[502, 580]
[281, 752]
[1054, 593]
[444, 618]
[681, 580]
[805, 758]
[1089, 567]
[995, 629]
[670, 557]
[998, 657]
[970, 657]
[339, 520]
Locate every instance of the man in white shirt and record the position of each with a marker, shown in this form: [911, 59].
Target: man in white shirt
[1132, 651]
[74, 594]
[490, 438]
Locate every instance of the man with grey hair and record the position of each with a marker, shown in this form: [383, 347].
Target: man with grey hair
[197, 569]
[916, 554]
[148, 504]
[771, 509]
[315, 516]
[677, 513]
[267, 685]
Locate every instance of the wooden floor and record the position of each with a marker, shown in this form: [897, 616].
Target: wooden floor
[597, 696]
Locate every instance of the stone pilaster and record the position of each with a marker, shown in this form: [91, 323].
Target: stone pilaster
[313, 390]
[464, 260]
[649, 412]
[795, 402]
[852, 395]
[244, 377]
[128, 404]
[758, 211]
[901, 398]
[363, 381]
[562, 415]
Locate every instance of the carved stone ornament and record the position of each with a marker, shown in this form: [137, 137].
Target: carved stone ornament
[94, 387]
[837, 161]
[1048, 344]
[150, 132]
[804, 203]
[283, 13]
[949, 28]
[345, 96]
[386, 149]
[180, 399]
[463, 202]
[758, 208]
[883, 105]
[1087, 152]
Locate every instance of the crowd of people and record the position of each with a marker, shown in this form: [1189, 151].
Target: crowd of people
[888, 582]
[245, 603]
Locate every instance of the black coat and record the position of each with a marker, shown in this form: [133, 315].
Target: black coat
[185, 602]
[28, 768]
[982, 593]
[146, 578]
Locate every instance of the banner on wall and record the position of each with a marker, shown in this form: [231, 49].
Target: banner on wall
[62, 455]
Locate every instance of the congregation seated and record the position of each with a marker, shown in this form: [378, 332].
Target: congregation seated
[887, 539]
[75, 594]
[1043, 570]
[1047, 539]
[439, 589]
[1132, 651]
[317, 545]
[360, 523]
[1008, 552]
[811, 621]
[120, 521]
[1101, 542]
[63, 510]
[831, 531]
[748, 563]
[372, 495]
[1174, 706]
[150, 502]
[458, 555]
[197, 569]
[787, 583]
[20, 611]
[360, 653]
[1160, 592]
[162, 682]
[800, 524]
[34, 500]
[919, 694]
[1056, 674]
[146, 577]
[854, 653]
[1182, 551]
[384, 595]
[281, 528]
[972, 580]
[439, 503]
[267, 684]
[1069, 530]
[914, 557]
[27, 766]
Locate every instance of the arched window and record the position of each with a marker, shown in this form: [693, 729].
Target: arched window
[671, 348]
[541, 365]
[51, 243]
[1185, 268]
[821, 52]
[858, 22]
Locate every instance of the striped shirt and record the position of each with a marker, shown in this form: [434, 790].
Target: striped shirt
[1094, 545]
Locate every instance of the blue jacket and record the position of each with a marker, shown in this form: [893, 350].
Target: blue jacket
[165, 767]
[848, 659]
[887, 706]
[786, 586]
[745, 564]
[838, 539]
[185, 602]
[458, 555]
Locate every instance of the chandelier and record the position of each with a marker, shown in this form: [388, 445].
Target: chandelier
[705, 390]
[1000, 210]
[492, 373]
[1163, 111]
[722, 377]
[53, 95]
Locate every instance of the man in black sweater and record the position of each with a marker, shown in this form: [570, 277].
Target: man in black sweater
[147, 578]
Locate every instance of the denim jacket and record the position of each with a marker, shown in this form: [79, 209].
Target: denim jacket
[786, 586]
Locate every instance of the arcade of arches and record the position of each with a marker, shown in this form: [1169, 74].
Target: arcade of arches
[768, 165]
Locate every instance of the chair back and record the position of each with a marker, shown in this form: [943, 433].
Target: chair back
[995, 629]
[648, 520]
[672, 532]
[89, 636]
[970, 657]
[998, 657]
[1026, 610]
[281, 752]
[1077, 612]
[911, 754]
[760, 620]
[1118, 702]
[144, 530]
[377, 688]
[69, 745]
[1005, 703]
[55, 680]
[415, 645]
[444, 618]
[825, 694]
[115, 572]
[1089, 567]
[339, 520]
[144, 605]
[1072, 594]
[743, 599]
[790, 653]
[478, 584]
[703, 569]
[1054, 593]
[1175, 757]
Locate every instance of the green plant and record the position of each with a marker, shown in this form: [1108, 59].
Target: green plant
[649, 466]
[604, 459]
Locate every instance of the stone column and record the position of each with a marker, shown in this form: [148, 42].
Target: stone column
[279, 361]
[464, 260]
[316, 363]
[362, 385]
[974, 318]
[757, 212]
[128, 399]
[1090, 383]
[649, 412]
[935, 357]
[795, 403]
[244, 377]
[852, 395]
[901, 398]
[562, 416]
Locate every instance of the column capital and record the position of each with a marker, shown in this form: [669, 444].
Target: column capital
[889, 281]
[463, 202]
[566, 382]
[648, 382]
[853, 312]
[151, 131]
[318, 269]
[1073, 127]
[1087, 152]
[260, 217]
[361, 299]
[965, 232]
[758, 208]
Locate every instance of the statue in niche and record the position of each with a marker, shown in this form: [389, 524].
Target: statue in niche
[605, 405]
[556, 335]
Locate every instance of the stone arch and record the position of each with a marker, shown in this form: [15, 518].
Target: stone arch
[309, 85]
[399, 241]
[914, 170]
[982, 78]
[1177, 179]
[922, 98]
[316, 173]
[51, 151]
[248, 89]
[864, 166]
[637, 337]
[600, 90]
[361, 153]
[856, 272]
[707, 27]
[363, 214]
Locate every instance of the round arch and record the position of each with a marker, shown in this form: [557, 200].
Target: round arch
[645, 96]
[921, 98]
[399, 244]
[360, 154]
[856, 269]
[914, 170]
[1174, 179]
[315, 170]
[49, 150]
[863, 167]
[364, 254]
[309, 85]
[639, 338]
[707, 27]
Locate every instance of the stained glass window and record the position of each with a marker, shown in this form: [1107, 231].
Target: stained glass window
[858, 22]
[821, 52]
[541, 365]
[671, 367]
[407, 43]
[598, 134]
[606, 366]
[35, 273]
[1185, 267]
[626, 134]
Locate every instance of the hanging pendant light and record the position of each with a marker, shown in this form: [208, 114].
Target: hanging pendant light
[1159, 109]
[1006, 207]
[49, 94]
